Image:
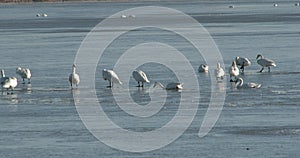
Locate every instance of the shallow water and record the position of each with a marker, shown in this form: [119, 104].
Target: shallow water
[40, 119]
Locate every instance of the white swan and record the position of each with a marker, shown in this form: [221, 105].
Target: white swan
[240, 84]
[233, 71]
[241, 61]
[203, 68]
[24, 73]
[170, 86]
[140, 76]
[219, 72]
[111, 76]
[264, 62]
[10, 83]
[74, 77]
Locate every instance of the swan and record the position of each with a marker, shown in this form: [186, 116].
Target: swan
[219, 72]
[74, 77]
[264, 62]
[140, 76]
[233, 71]
[203, 68]
[275, 5]
[24, 73]
[240, 84]
[10, 83]
[231, 6]
[111, 76]
[297, 4]
[170, 86]
[241, 61]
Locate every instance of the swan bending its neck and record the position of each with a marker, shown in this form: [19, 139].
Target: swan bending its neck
[170, 86]
[240, 84]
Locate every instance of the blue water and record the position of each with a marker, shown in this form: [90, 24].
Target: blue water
[40, 119]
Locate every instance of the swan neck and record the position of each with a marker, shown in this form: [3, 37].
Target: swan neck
[240, 82]
[2, 73]
[158, 83]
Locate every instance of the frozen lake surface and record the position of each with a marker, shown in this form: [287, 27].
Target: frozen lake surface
[40, 119]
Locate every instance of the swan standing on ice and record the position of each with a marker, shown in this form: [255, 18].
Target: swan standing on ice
[170, 86]
[264, 62]
[24, 73]
[219, 72]
[74, 77]
[233, 71]
[10, 83]
[241, 61]
[240, 84]
[140, 76]
[203, 68]
[111, 76]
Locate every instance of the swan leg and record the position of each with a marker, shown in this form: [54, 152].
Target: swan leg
[269, 69]
[23, 81]
[261, 69]
[110, 84]
[242, 68]
[142, 84]
[138, 84]
[28, 81]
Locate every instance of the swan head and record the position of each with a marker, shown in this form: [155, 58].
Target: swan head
[203, 68]
[218, 65]
[259, 56]
[234, 63]
[18, 69]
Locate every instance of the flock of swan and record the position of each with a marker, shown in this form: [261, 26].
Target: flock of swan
[12, 82]
[9, 83]
[234, 71]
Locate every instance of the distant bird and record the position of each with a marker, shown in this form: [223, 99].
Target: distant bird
[241, 61]
[44, 15]
[297, 4]
[123, 16]
[264, 62]
[10, 83]
[140, 76]
[203, 68]
[275, 5]
[24, 73]
[231, 6]
[240, 84]
[111, 76]
[233, 72]
[74, 77]
[219, 72]
[170, 86]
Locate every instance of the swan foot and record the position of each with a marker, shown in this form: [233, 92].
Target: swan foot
[261, 70]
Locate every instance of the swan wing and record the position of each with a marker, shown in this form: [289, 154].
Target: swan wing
[140, 76]
[253, 85]
[243, 61]
[114, 77]
[265, 62]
